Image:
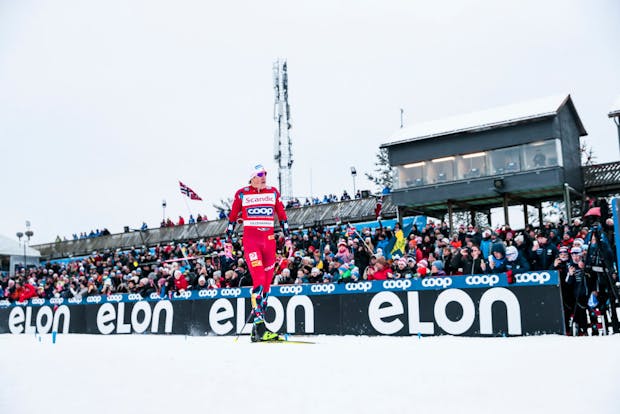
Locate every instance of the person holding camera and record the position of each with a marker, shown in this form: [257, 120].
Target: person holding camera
[256, 205]
[461, 263]
[478, 264]
[543, 253]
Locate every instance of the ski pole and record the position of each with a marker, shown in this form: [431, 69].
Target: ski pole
[243, 327]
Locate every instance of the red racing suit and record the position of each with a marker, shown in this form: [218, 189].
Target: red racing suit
[257, 209]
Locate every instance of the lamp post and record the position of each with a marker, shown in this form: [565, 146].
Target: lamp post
[163, 206]
[28, 233]
[353, 174]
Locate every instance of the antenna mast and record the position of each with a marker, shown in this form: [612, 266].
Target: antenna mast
[283, 153]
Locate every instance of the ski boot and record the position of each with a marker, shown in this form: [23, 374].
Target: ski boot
[260, 333]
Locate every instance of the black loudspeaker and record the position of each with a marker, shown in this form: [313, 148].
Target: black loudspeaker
[365, 193]
[126, 228]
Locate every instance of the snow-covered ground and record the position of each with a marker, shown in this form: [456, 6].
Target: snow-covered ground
[177, 374]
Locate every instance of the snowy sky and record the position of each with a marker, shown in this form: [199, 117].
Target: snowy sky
[106, 105]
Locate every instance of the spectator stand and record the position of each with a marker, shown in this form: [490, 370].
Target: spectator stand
[357, 210]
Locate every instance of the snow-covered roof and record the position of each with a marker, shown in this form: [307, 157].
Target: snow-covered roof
[10, 247]
[615, 108]
[487, 119]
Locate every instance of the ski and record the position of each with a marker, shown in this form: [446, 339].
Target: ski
[286, 339]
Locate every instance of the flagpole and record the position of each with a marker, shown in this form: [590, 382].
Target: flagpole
[191, 194]
[191, 214]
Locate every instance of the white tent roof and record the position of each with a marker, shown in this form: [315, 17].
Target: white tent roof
[481, 120]
[615, 108]
[10, 247]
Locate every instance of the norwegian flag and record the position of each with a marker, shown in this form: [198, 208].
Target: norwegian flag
[189, 192]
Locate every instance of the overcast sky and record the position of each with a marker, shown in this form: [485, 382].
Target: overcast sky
[105, 105]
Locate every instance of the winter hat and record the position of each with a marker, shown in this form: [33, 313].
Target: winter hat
[486, 234]
[498, 247]
[438, 264]
[511, 253]
[576, 250]
[519, 238]
[257, 169]
[202, 279]
[423, 263]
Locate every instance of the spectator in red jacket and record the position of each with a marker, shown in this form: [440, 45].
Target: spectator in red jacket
[381, 270]
[180, 283]
[28, 291]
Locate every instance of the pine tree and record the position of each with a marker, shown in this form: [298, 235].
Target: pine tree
[383, 176]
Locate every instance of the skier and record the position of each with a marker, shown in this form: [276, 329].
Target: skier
[256, 205]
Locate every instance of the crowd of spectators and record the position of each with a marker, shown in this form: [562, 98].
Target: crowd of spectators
[85, 235]
[332, 255]
[327, 198]
[180, 222]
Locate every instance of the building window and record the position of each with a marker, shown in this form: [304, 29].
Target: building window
[411, 175]
[541, 154]
[470, 166]
[527, 157]
[505, 161]
[441, 170]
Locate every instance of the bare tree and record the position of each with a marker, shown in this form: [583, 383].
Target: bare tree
[224, 205]
[587, 154]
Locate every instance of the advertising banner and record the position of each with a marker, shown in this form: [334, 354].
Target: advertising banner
[478, 305]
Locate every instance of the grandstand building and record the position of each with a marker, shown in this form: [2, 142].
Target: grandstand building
[519, 154]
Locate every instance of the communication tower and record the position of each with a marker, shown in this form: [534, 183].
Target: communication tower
[283, 154]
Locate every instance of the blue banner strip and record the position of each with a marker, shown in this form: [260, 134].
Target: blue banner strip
[541, 278]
